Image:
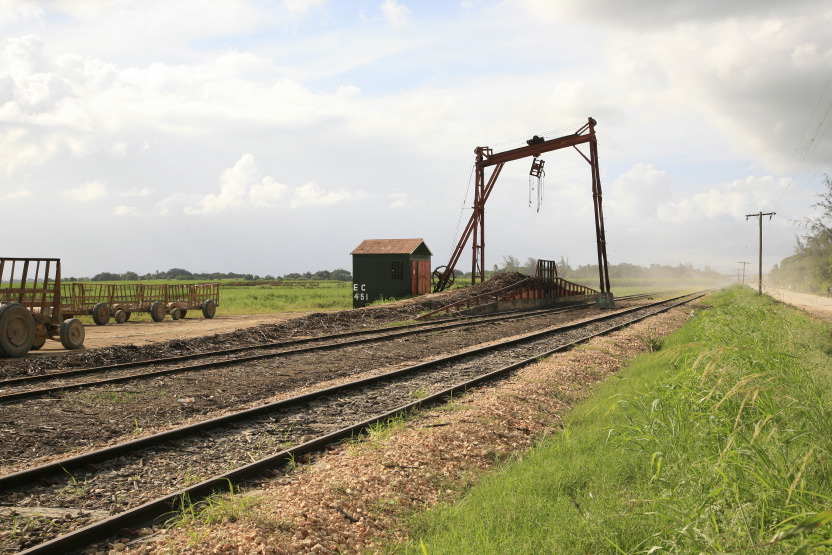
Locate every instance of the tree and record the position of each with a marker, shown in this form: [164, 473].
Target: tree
[510, 264]
[810, 267]
[563, 267]
[341, 274]
[174, 273]
[529, 267]
[106, 276]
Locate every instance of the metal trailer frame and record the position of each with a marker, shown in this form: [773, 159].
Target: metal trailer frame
[32, 307]
[105, 300]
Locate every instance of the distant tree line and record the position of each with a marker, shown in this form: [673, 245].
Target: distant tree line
[810, 267]
[338, 274]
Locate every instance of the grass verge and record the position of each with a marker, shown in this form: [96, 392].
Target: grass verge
[720, 442]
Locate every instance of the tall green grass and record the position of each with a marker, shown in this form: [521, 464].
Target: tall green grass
[265, 299]
[718, 443]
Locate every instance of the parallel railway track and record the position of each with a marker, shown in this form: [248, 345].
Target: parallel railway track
[302, 423]
[15, 389]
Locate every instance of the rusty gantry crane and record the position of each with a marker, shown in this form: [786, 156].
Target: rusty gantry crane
[486, 157]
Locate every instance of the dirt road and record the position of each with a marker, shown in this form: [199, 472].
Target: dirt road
[144, 332]
[817, 305]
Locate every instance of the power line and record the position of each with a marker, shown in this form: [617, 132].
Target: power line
[807, 149]
[462, 208]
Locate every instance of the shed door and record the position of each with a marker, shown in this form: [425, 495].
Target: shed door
[420, 271]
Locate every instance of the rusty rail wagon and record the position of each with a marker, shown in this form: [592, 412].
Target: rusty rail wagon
[32, 308]
[103, 300]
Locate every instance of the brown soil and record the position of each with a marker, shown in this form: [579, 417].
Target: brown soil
[142, 340]
[143, 333]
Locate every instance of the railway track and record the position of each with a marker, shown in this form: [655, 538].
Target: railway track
[124, 478]
[16, 389]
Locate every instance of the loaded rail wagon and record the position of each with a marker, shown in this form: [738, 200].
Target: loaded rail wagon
[32, 308]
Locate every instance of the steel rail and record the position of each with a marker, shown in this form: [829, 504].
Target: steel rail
[158, 509]
[385, 334]
[29, 475]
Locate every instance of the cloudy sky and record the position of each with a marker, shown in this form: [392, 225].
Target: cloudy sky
[273, 136]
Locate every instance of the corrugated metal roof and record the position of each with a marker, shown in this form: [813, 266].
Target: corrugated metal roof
[388, 246]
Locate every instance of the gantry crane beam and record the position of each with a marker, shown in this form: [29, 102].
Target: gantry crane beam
[476, 224]
[534, 150]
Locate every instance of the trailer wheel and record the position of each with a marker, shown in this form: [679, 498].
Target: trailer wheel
[209, 308]
[101, 314]
[17, 330]
[72, 334]
[175, 313]
[40, 341]
[157, 311]
[120, 316]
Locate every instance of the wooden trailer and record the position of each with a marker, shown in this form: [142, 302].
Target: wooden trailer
[119, 301]
[32, 308]
[179, 299]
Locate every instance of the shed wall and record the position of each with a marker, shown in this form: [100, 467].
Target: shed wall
[382, 276]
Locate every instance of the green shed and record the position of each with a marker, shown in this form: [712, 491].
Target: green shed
[389, 268]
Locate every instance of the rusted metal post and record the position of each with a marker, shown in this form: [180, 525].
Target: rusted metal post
[478, 244]
[597, 200]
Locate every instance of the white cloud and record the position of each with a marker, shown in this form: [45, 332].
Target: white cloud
[734, 199]
[641, 14]
[398, 15]
[234, 185]
[85, 193]
[14, 12]
[267, 193]
[302, 6]
[399, 201]
[638, 192]
[119, 149]
[242, 186]
[122, 210]
[143, 192]
[16, 195]
[309, 194]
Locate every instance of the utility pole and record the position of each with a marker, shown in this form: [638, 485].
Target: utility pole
[759, 216]
[743, 270]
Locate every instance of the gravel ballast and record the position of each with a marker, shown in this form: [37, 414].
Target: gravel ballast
[355, 497]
